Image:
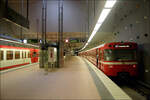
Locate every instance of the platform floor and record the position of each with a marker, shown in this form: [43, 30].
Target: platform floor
[70, 82]
[74, 81]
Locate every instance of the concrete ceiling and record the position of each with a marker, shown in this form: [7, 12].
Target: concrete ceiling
[76, 17]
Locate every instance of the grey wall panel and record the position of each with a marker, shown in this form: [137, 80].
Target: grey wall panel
[134, 28]
[18, 6]
[74, 15]
[128, 21]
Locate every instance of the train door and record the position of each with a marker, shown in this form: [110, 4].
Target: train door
[23, 56]
[26, 59]
[29, 56]
[100, 58]
[36, 55]
[33, 56]
[97, 56]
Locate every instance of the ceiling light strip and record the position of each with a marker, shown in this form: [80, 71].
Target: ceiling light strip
[105, 12]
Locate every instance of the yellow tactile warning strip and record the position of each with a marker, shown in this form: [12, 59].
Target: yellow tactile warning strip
[72, 82]
[114, 90]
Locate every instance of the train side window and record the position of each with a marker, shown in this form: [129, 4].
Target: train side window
[1, 55]
[17, 54]
[9, 55]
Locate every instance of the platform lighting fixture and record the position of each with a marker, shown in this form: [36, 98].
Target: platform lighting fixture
[55, 49]
[92, 35]
[106, 10]
[25, 41]
[85, 46]
[40, 41]
[66, 40]
[97, 26]
[103, 15]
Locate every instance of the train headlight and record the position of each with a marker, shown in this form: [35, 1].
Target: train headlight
[110, 66]
[134, 66]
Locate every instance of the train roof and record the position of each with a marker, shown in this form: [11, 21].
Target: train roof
[10, 42]
[121, 43]
[102, 45]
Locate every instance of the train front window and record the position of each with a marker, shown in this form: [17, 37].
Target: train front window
[119, 55]
[34, 54]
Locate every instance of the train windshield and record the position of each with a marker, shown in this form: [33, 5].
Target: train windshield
[119, 55]
[34, 54]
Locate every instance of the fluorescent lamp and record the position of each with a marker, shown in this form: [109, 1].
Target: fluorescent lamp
[92, 35]
[110, 3]
[103, 15]
[107, 8]
[85, 46]
[97, 26]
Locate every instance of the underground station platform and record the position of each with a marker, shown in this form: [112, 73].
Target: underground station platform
[77, 80]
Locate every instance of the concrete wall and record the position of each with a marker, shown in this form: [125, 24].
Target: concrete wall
[128, 21]
[19, 6]
[10, 28]
[133, 24]
[74, 15]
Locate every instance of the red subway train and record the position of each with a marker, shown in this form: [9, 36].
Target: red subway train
[15, 54]
[114, 59]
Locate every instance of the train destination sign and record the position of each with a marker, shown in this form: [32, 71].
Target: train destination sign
[122, 46]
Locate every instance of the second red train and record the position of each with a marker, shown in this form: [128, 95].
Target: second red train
[114, 59]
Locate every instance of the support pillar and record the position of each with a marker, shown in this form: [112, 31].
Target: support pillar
[60, 35]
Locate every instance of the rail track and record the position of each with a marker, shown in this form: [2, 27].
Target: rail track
[138, 86]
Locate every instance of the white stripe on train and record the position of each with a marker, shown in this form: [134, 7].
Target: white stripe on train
[118, 63]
